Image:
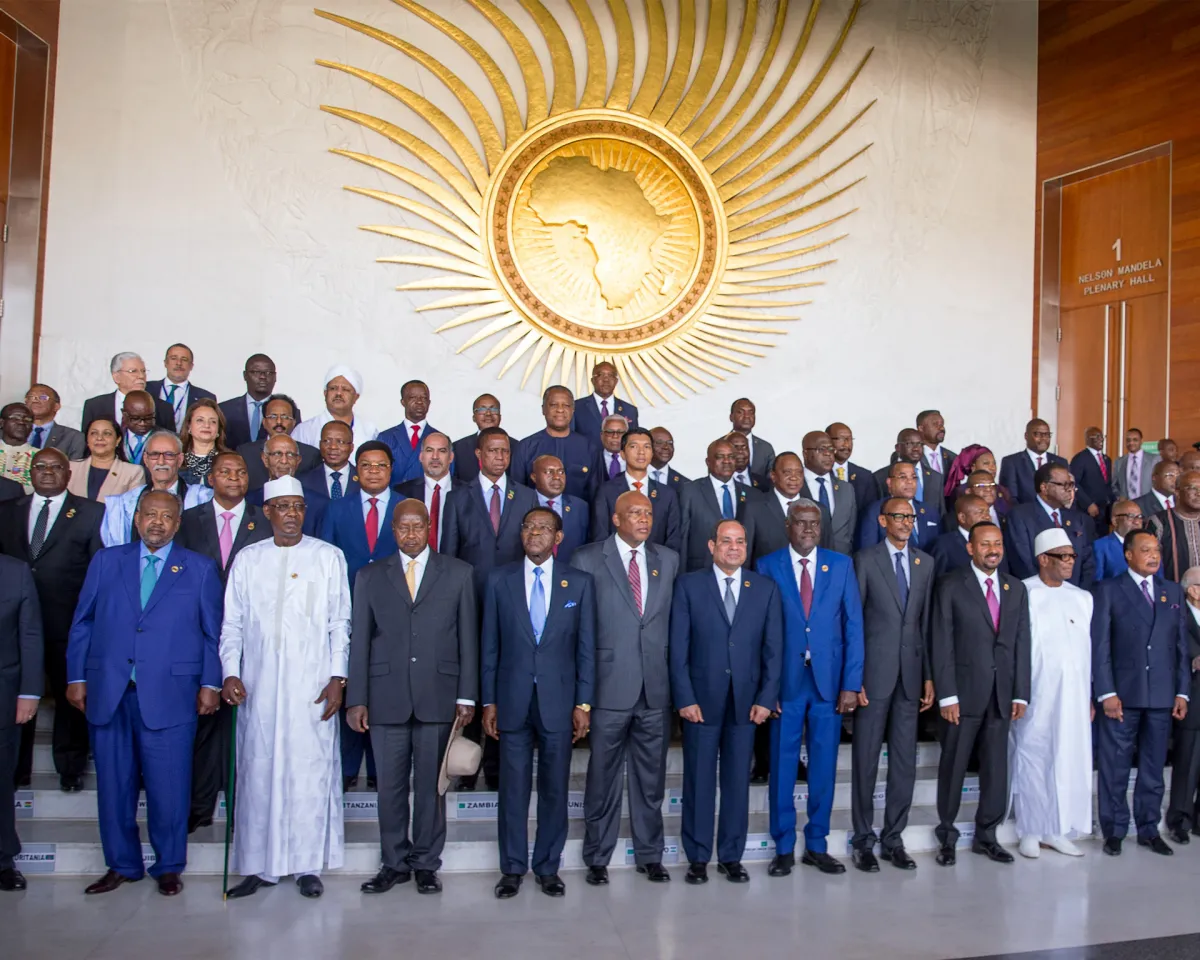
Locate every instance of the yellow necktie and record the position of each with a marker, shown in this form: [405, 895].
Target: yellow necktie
[410, 577]
[841, 473]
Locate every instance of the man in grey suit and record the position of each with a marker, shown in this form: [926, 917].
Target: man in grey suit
[714, 497]
[414, 667]
[44, 403]
[743, 415]
[821, 486]
[1133, 473]
[895, 580]
[631, 704]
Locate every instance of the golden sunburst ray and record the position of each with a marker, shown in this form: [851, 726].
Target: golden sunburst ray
[649, 224]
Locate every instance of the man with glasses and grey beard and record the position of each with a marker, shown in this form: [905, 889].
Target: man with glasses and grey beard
[162, 457]
[1050, 508]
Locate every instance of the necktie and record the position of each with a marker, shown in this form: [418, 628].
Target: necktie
[604, 408]
[494, 508]
[1055, 518]
[416, 437]
[435, 510]
[135, 447]
[550, 504]
[1135, 476]
[335, 488]
[1146, 593]
[1171, 502]
[730, 601]
[372, 524]
[726, 503]
[614, 466]
[171, 395]
[149, 578]
[537, 605]
[1103, 466]
[1041, 460]
[920, 481]
[635, 582]
[36, 441]
[410, 577]
[637, 485]
[823, 495]
[935, 461]
[841, 473]
[806, 591]
[255, 418]
[226, 538]
[993, 604]
[901, 581]
[38, 540]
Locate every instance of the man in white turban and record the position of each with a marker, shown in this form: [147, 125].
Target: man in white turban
[285, 650]
[343, 387]
[1051, 746]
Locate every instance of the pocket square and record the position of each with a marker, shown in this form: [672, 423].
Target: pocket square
[1174, 606]
[569, 604]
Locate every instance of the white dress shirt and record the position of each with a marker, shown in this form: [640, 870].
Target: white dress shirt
[626, 553]
[182, 390]
[486, 485]
[1163, 502]
[645, 482]
[612, 405]
[118, 403]
[784, 501]
[903, 554]
[547, 569]
[982, 579]
[1195, 612]
[238, 512]
[750, 442]
[383, 499]
[743, 476]
[35, 507]
[1099, 458]
[812, 566]
[718, 486]
[722, 576]
[408, 427]
[660, 474]
[1051, 511]
[1033, 457]
[814, 488]
[345, 472]
[309, 431]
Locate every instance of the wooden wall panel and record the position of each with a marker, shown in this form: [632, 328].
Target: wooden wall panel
[1115, 77]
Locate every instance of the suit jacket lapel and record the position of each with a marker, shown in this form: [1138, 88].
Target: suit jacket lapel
[517, 586]
[557, 599]
[979, 598]
[651, 590]
[616, 569]
[210, 544]
[1136, 598]
[131, 574]
[168, 575]
[718, 596]
[883, 557]
[395, 565]
[433, 569]
[710, 496]
[250, 520]
[23, 526]
[506, 511]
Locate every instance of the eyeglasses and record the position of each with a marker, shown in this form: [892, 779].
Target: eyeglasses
[1065, 484]
[495, 410]
[23, 418]
[373, 465]
[51, 466]
[1127, 516]
[335, 442]
[167, 457]
[280, 417]
[538, 528]
[614, 433]
[285, 454]
[37, 398]
[983, 486]
[1063, 557]
[828, 448]
[135, 418]
[288, 507]
[902, 517]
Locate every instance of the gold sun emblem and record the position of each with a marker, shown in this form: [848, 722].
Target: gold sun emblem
[654, 227]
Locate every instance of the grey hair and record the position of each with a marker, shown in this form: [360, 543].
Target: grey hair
[1190, 578]
[615, 416]
[164, 432]
[803, 503]
[118, 361]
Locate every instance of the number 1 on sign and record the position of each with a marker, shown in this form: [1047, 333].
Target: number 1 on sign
[1117, 249]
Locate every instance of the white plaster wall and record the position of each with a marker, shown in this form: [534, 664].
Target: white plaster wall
[192, 198]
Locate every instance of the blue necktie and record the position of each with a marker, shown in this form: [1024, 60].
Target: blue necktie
[335, 488]
[726, 503]
[149, 579]
[36, 442]
[135, 454]
[537, 605]
[823, 495]
[920, 481]
[901, 582]
[256, 418]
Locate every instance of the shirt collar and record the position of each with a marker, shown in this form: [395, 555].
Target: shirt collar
[812, 558]
[810, 477]
[984, 577]
[625, 549]
[1138, 579]
[408, 426]
[892, 551]
[1049, 509]
[344, 470]
[731, 483]
[966, 534]
[544, 501]
[39, 501]
[422, 558]
[486, 485]
[383, 496]
[238, 510]
[430, 483]
[161, 553]
[547, 569]
[721, 575]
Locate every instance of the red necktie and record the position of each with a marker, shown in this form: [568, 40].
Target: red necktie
[638, 485]
[372, 524]
[635, 581]
[494, 509]
[1054, 517]
[435, 508]
[1041, 459]
[1103, 467]
[805, 588]
[993, 605]
[550, 504]
[416, 436]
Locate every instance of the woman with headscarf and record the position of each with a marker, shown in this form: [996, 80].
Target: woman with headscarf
[975, 457]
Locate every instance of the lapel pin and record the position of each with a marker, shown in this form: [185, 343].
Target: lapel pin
[510, 494]
[585, 469]
[564, 583]
[854, 476]
[746, 583]
[250, 525]
[917, 561]
[922, 509]
[176, 570]
[70, 513]
[1068, 523]
[354, 479]
[295, 575]
[567, 508]
[742, 498]
[1006, 586]
[1163, 599]
[653, 494]
[654, 573]
[824, 568]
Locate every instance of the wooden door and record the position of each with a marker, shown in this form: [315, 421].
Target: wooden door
[1083, 400]
[8, 79]
[1144, 391]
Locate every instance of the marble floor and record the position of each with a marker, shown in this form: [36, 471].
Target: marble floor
[978, 909]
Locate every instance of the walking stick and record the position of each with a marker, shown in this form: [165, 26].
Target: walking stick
[229, 791]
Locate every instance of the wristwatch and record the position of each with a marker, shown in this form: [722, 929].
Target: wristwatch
[341, 680]
[585, 707]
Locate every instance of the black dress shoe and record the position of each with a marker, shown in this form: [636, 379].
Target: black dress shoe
[781, 865]
[71, 783]
[385, 879]
[372, 784]
[509, 886]
[492, 783]
[823, 862]
[597, 876]
[1112, 846]
[1196, 831]
[947, 856]
[1156, 844]
[552, 885]
[733, 871]
[428, 882]
[801, 772]
[247, 888]
[865, 861]
[758, 779]
[23, 783]
[898, 857]
[655, 872]
[12, 879]
[467, 784]
[992, 850]
[170, 885]
[1180, 836]
[109, 882]
[697, 874]
[310, 886]
[349, 783]
[195, 822]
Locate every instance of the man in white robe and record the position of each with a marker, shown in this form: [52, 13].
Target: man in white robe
[285, 647]
[1051, 745]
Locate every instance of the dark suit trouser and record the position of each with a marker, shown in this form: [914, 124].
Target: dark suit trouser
[990, 732]
[10, 845]
[896, 717]
[353, 746]
[1147, 731]
[1185, 778]
[516, 781]
[210, 760]
[400, 749]
[637, 740]
[69, 739]
[127, 751]
[727, 740]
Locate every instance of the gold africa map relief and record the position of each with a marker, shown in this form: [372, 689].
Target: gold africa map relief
[651, 227]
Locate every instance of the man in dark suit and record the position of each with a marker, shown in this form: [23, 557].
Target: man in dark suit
[932, 428]
[332, 479]
[982, 675]
[407, 437]
[1109, 550]
[143, 663]
[741, 464]
[549, 480]
[244, 414]
[726, 658]
[949, 551]
[661, 470]
[1141, 676]
[20, 691]
[218, 530]
[637, 446]
[434, 486]
[714, 497]
[836, 498]
[1017, 469]
[580, 455]
[591, 410]
[129, 374]
[612, 460]
[538, 669]
[1092, 470]
[1164, 482]
[743, 416]
[630, 717]
[1185, 773]
[910, 449]
[279, 417]
[137, 423]
[895, 583]
[1055, 487]
[10, 490]
[175, 388]
[414, 669]
[866, 490]
[485, 412]
[57, 534]
[901, 482]
[770, 527]
[44, 403]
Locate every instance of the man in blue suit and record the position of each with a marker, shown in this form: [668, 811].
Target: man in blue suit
[1109, 550]
[538, 657]
[1017, 469]
[580, 454]
[142, 664]
[1050, 508]
[1141, 675]
[333, 478]
[726, 655]
[404, 439]
[637, 446]
[362, 527]
[901, 482]
[550, 481]
[591, 410]
[822, 676]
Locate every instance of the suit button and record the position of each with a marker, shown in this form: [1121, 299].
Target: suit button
[808, 629]
[728, 670]
[731, 643]
[129, 661]
[414, 659]
[139, 630]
